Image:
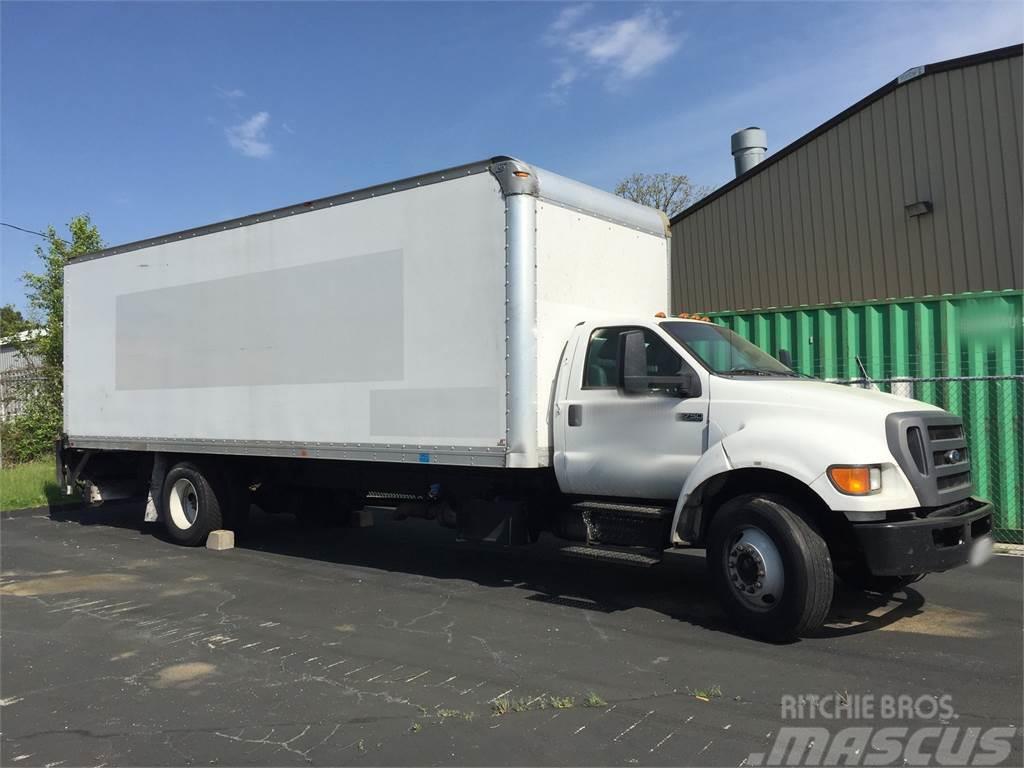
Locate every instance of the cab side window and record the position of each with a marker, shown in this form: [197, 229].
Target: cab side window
[601, 370]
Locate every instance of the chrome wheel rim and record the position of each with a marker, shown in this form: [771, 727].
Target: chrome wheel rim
[753, 566]
[183, 504]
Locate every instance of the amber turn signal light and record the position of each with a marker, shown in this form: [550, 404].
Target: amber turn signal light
[856, 480]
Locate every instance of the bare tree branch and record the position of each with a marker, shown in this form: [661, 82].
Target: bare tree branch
[667, 192]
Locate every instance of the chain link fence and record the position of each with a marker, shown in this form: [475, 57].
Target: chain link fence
[992, 408]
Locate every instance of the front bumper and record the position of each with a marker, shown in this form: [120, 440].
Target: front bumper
[941, 540]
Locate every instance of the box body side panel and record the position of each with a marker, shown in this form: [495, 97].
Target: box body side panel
[375, 323]
[588, 268]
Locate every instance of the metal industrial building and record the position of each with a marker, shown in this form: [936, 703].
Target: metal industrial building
[884, 250]
[913, 191]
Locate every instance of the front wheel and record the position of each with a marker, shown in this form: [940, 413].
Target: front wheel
[771, 570]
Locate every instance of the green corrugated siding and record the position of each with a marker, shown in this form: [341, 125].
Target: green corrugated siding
[929, 340]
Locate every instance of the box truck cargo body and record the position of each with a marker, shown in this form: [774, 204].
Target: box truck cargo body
[418, 322]
[486, 346]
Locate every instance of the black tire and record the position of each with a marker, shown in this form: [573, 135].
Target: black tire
[193, 500]
[808, 579]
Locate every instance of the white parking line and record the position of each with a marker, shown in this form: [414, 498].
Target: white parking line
[662, 741]
[634, 725]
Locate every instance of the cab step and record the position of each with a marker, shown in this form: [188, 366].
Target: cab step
[638, 556]
[623, 523]
[624, 509]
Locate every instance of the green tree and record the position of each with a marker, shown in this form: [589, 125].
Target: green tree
[668, 192]
[32, 432]
[12, 321]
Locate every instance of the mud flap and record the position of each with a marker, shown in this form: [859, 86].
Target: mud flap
[500, 522]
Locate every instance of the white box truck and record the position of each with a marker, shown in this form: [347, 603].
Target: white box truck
[486, 346]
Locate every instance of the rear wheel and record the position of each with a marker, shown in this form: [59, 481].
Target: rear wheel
[192, 504]
[770, 568]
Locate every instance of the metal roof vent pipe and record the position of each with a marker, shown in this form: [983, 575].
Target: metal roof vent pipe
[748, 148]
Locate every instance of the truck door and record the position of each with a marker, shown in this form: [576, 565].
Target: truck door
[635, 446]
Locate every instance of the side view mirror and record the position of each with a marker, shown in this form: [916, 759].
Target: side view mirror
[786, 358]
[632, 364]
[689, 385]
[633, 377]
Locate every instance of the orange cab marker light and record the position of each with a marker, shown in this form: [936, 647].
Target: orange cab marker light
[520, 174]
[854, 480]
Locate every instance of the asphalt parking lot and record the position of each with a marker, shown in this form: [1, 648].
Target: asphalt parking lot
[395, 645]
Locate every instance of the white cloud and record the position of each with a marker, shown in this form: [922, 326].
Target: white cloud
[568, 17]
[230, 94]
[566, 77]
[837, 62]
[618, 51]
[249, 136]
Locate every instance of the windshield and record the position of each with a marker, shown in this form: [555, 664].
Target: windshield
[725, 352]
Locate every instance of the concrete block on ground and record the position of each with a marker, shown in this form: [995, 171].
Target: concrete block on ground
[362, 518]
[220, 539]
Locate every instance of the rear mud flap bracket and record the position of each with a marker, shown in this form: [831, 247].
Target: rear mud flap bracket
[156, 484]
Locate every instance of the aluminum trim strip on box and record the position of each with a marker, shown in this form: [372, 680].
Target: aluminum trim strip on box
[454, 455]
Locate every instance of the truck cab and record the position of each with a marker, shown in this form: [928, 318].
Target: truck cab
[788, 481]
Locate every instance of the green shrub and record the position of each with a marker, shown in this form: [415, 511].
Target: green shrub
[30, 434]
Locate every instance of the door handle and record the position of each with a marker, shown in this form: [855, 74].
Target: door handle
[575, 415]
[689, 416]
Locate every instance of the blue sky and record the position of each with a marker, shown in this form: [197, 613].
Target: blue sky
[154, 117]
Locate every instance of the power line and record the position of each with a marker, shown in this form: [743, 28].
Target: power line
[33, 232]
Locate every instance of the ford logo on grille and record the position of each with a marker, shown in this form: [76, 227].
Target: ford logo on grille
[952, 456]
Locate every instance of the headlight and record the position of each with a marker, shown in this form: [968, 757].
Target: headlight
[856, 480]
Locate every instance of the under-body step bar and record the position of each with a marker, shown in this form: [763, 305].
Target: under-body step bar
[624, 509]
[641, 556]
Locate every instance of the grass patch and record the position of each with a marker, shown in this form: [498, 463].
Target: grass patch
[447, 714]
[593, 700]
[504, 705]
[501, 705]
[562, 702]
[707, 694]
[30, 484]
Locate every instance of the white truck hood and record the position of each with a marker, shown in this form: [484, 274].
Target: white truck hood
[748, 396]
[802, 426]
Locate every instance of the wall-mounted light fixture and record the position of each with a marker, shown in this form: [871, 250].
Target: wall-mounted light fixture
[920, 208]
